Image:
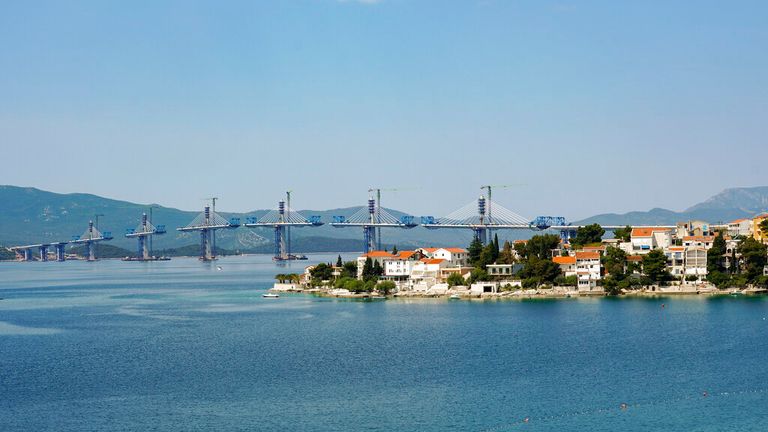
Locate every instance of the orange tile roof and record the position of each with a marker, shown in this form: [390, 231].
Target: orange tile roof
[564, 260]
[646, 232]
[737, 221]
[378, 254]
[634, 258]
[676, 248]
[405, 254]
[430, 249]
[594, 248]
[455, 250]
[432, 260]
[587, 255]
[699, 238]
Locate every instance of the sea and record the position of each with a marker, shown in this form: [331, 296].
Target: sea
[185, 345]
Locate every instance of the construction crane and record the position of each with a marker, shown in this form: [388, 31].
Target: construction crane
[282, 220]
[370, 218]
[90, 237]
[378, 208]
[207, 223]
[144, 233]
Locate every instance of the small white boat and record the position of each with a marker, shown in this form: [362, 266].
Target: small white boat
[270, 295]
[378, 298]
[454, 297]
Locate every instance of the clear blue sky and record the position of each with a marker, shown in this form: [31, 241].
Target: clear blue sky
[594, 106]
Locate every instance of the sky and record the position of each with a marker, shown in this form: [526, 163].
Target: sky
[584, 107]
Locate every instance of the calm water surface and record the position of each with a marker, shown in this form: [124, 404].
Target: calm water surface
[180, 346]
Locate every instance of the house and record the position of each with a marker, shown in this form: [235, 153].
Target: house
[567, 264]
[696, 262]
[698, 241]
[740, 227]
[757, 233]
[693, 228]
[588, 269]
[376, 256]
[646, 239]
[501, 270]
[675, 260]
[426, 272]
[454, 256]
[399, 267]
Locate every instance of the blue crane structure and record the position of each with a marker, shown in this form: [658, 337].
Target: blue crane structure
[89, 238]
[282, 219]
[207, 223]
[143, 233]
[370, 218]
[484, 215]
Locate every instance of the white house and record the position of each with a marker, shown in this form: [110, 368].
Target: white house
[587, 269]
[698, 241]
[740, 227]
[567, 264]
[645, 240]
[454, 256]
[400, 266]
[426, 272]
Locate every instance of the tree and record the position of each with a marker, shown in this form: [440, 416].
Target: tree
[539, 246]
[588, 234]
[350, 269]
[476, 275]
[611, 286]
[754, 255]
[655, 266]
[763, 227]
[321, 272]
[624, 234]
[394, 250]
[543, 270]
[378, 270]
[474, 251]
[339, 262]
[385, 287]
[455, 279]
[716, 255]
[615, 262]
[368, 268]
[506, 256]
[489, 255]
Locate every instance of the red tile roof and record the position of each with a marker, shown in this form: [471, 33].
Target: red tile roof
[378, 254]
[432, 260]
[646, 232]
[705, 239]
[581, 255]
[564, 260]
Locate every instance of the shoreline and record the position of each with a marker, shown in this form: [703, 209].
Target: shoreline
[552, 293]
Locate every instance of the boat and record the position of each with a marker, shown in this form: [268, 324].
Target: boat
[270, 295]
[454, 297]
[378, 298]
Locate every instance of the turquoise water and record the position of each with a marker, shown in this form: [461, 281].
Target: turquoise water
[180, 346]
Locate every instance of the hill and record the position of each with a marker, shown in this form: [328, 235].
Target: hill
[730, 204]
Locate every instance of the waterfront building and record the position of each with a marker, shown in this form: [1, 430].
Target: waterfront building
[567, 264]
[399, 266]
[376, 256]
[588, 269]
[645, 240]
[500, 270]
[453, 255]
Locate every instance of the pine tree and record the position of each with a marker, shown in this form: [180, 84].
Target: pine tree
[474, 251]
[394, 250]
[339, 262]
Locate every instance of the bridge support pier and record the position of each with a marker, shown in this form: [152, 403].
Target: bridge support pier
[44, 253]
[60, 256]
[28, 255]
